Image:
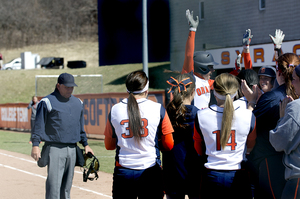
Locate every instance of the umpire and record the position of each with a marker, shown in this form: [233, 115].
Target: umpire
[60, 124]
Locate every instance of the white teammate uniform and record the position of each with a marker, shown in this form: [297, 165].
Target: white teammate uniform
[131, 154]
[242, 102]
[202, 93]
[207, 133]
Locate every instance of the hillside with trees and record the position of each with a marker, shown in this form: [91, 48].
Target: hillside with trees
[38, 22]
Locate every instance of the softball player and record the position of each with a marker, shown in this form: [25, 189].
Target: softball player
[200, 63]
[221, 133]
[138, 128]
[181, 165]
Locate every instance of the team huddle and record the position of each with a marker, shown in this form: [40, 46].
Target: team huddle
[231, 137]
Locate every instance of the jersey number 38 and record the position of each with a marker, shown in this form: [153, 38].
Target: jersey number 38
[129, 134]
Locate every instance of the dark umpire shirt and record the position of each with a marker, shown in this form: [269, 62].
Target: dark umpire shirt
[60, 120]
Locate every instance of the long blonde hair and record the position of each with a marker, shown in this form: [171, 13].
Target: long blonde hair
[226, 85]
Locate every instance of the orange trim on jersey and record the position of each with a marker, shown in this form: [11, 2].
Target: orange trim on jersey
[188, 64]
[109, 141]
[166, 126]
[118, 164]
[167, 142]
[269, 177]
[252, 137]
[211, 84]
[295, 196]
[167, 130]
[198, 142]
[235, 72]
[247, 61]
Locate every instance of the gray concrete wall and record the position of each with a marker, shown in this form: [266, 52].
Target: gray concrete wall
[225, 22]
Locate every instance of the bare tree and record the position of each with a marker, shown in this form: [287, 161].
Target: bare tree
[29, 22]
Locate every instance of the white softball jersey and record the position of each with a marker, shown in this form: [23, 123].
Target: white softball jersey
[130, 153]
[202, 94]
[242, 102]
[209, 121]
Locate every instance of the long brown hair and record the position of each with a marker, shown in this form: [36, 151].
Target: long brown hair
[176, 109]
[226, 84]
[286, 65]
[135, 81]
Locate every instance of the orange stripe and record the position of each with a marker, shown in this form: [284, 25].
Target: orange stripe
[269, 177]
[167, 141]
[166, 126]
[296, 189]
[109, 141]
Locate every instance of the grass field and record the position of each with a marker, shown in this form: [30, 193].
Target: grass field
[18, 142]
[19, 85]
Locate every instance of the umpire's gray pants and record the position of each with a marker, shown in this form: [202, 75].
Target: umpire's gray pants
[62, 159]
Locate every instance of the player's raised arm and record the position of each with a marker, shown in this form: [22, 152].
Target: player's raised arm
[188, 64]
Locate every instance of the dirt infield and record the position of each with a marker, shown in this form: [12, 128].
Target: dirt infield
[22, 178]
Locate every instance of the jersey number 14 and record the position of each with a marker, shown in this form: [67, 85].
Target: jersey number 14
[232, 142]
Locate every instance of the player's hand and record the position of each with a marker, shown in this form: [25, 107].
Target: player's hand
[277, 40]
[36, 153]
[247, 38]
[88, 149]
[193, 23]
[284, 103]
[251, 95]
[238, 65]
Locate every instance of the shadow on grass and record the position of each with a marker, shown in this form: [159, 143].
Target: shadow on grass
[158, 76]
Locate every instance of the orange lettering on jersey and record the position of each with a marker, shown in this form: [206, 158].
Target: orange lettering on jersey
[202, 90]
[198, 91]
[129, 134]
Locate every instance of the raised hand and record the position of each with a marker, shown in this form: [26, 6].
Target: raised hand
[247, 38]
[193, 23]
[277, 40]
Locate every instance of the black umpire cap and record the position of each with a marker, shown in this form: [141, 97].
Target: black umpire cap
[66, 79]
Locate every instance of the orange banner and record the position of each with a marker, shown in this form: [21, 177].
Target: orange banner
[96, 110]
[15, 116]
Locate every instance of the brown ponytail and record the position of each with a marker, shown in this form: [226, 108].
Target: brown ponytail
[135, 81]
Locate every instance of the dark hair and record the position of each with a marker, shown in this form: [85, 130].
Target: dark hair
[176, 109]
[251, 78]
[286, 65]
[135, 81]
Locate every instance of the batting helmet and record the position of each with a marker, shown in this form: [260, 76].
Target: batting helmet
[267, 71]
[202, 60]
[91, 166]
